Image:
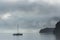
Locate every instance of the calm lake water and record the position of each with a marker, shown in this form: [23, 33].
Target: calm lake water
[28, 36]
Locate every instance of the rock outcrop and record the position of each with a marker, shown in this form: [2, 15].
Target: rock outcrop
[57, 29]
[47, 30]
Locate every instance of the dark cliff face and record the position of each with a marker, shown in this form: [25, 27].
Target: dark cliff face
[57, 29]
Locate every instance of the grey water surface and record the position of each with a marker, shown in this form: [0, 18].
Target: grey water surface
[28, 36]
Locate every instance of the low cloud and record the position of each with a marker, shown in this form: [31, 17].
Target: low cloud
[29, 15]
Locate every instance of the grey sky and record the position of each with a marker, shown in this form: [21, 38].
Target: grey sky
[28, 14]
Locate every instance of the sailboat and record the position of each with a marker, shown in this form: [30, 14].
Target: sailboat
[17, 34]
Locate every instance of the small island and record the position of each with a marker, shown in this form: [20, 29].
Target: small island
[47, 30]
[55, 30]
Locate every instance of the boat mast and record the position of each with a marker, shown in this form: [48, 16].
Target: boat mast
[17, 34]
[17, 28]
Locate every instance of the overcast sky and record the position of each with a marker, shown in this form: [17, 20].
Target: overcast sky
[29, 14]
